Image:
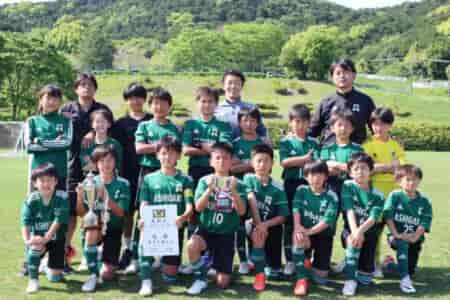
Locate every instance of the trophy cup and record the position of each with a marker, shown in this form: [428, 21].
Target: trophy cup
[223, 195]
[90, 219]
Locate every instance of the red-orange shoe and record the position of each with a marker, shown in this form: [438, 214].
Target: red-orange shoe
[307, 263]
[301, 288]
[260, 282]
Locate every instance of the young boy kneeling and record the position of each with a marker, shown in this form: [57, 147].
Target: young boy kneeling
[269, 208]
[314, 211]
[220, 201]
[45, 215]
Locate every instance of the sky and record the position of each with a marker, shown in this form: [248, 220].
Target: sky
[349, 3]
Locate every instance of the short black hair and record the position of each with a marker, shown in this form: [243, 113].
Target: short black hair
[360, 157]
[83, 77]
[161, 94]
[50, 90]
[316, 167]
[408, 169]
[236, 73]
[168, 143]
[207, 91]
[252, 112]
[222, 146]
[345, 63]
[262, 148]
[102, 151]
[135, 89]
[384, 114]
[342, 114]
[47, 169]
[300, 111]
[104, 113]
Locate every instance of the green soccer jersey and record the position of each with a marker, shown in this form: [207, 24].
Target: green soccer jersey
[86, 152]
[48, 139]
[151, 132]
[292, 146]
[270, 198]
[160, 189]
[197, 131]
[214, 219]
[119, 192]
[407, 213]
[39, 216]
[340, 154]
[365, 204]
[314, 209]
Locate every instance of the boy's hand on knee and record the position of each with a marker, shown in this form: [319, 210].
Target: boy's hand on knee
[140, 224]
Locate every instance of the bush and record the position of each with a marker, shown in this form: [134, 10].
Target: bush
[414, 136]
[270, 113]
[267, 106]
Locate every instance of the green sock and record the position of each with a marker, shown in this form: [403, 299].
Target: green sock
[199, 270]
[298, 255]
[287, 240]
[33, 261]
[259, 258]
[135, 243]
[83, 239]
[53, 277]
[402, 258]
[351, 262]
[90, 252]
[145, 265]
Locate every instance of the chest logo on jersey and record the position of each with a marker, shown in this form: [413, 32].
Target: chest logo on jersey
[179, 188]
[59, 128]
[333, 156]
[39, 215]
[268, 200]
[293, 152]
[215, 132]
[241, 152]
[419, 211]
[355, 107]
[196, 131]
[400, 207]
[117, 194]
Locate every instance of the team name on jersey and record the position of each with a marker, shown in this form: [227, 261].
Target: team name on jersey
[159, 198]
[360, 211]
[401, 218]
[312, 216]
[42, 226]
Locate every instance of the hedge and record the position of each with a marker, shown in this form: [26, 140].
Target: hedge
[414, 136]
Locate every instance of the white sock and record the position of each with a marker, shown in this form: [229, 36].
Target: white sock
[128, 243]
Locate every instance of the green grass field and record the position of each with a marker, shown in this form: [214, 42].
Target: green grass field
[431, 280]
[429, 105]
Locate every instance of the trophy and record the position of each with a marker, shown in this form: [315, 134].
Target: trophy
[90, 219]
[223, 195]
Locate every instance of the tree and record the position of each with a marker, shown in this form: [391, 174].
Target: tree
[178, 22]
[436, 54]
[312, 51]
[96, 51]
[197, 49]
[30, 64]
[253, 46]
[67, 34]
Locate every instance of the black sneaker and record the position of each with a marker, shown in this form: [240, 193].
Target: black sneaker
[125, 259]
[24, 271]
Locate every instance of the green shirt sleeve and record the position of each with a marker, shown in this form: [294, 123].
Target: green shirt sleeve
[30, 135]
[188, 193]
[141, 133]
[62, 212]
[124, 197]
[282, 208]
[426, 217]
[62, 142]
[201, 187]
[325, 154]
[249, 183]
[330, 215]
[346, 197]
[388, 209]
[225, 134]
[284, 149]
[145, 193]
[377, 208]
[187, 133]
[297, 203]
[242, 190]
[119, 153]
[26, 214]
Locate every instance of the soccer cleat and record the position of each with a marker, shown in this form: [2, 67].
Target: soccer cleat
[146, 288]
[260, 282]
[301, 287]
[212, 272]
[83, 265]
[90, 284]
[125, 259]
[349, 288]
[378, 272]
[406, 285]
[133, 267]
[244, 268]
[198, 287]
[289, 268]
[185, 269]
[33, 286]
[307, 264]
[338, 268]
[24, 271]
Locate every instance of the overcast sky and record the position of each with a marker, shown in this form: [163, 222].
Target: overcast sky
[349, 3]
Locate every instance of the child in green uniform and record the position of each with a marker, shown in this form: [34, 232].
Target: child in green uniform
[249, 119]
[314, 211]
[269, 209]
[296, 149]
[168, 186]
[148, 134]
[221, 201]
[338, 154]
[362, 206]
[101, 122]
[45, 215]
[110, 206]
[408, 215]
